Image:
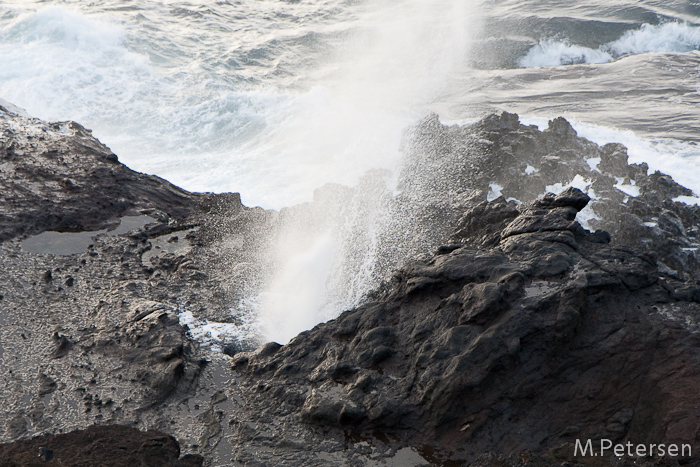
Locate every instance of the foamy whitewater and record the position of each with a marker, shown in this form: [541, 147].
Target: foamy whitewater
[274, 99]
[667, 37]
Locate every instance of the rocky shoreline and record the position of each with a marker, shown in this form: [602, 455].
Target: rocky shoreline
[510, 333]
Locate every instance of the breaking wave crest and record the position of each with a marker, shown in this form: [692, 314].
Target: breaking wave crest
[668, 37]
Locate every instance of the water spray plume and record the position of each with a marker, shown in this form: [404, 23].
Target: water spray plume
[396, 64]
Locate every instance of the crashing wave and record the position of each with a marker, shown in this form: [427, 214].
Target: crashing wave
[668, 37]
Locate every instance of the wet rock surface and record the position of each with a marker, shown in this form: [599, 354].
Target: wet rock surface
[106, 446]
[56, 176]
[92, 335]
[552, 335]
[520, 333]
[498, 156]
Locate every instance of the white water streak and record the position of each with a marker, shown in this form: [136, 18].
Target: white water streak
[668, 37]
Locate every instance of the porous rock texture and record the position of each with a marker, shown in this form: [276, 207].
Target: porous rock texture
[550, 335]
[509, 333]
[94, 337]
[56, 176]
[103, 446]
[451, 171]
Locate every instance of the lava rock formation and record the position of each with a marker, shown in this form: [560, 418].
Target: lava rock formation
[519, 334]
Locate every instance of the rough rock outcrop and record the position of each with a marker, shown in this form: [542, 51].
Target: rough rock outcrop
[104, 446]
[450, 172]
[56, 176]
[89, 317]
[521, 333]
[550, 335]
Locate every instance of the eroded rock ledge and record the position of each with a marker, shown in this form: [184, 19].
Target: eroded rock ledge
[94, 337]
[548, 336]
[104, 446]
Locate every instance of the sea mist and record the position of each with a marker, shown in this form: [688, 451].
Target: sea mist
[397, 62]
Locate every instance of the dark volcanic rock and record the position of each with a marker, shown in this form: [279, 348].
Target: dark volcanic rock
[521, 334]
[548, 336]
[56, 176]
[103, 446]
[451, 170]
[93, 335]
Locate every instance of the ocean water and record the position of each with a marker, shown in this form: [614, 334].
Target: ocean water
[274, 99]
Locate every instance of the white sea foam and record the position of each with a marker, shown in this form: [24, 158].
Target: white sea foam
[588, 213]
[679, 159]
[690, 200]
[60, 64]
[530, 170]
[216, 335]
[57, 62]
[667, 37]
[555, 53]
[578, 182]
[494, 191]
[630, 189]
[593, 162]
